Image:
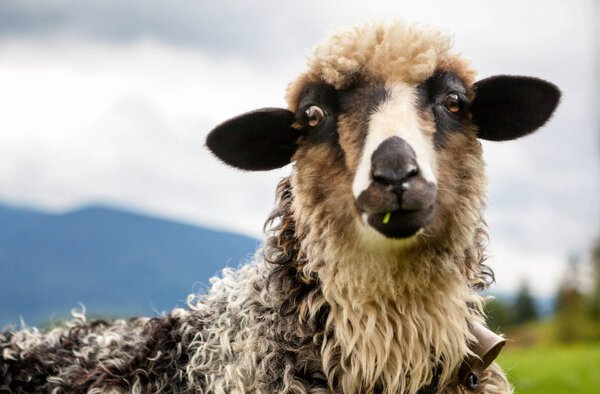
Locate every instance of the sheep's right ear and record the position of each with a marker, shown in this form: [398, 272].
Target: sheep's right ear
[259, 140]
[508, 107]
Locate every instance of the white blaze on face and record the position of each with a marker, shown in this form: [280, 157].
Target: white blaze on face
[396, 117]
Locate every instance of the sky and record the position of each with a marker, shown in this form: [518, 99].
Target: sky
[110, 102]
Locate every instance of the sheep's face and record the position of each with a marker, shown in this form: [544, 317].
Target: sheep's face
[381, 148]
[378, 145]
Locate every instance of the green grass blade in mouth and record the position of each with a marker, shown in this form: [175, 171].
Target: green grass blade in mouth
[386, 218]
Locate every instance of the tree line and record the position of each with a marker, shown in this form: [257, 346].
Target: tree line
[576, 312]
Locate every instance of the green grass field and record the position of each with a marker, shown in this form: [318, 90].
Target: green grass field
[553, 369]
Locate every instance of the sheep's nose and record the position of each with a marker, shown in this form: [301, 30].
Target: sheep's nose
[394, 162]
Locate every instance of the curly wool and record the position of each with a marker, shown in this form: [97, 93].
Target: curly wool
[391, 52]
[231, 340]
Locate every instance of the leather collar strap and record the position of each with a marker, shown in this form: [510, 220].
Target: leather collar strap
[433, 387]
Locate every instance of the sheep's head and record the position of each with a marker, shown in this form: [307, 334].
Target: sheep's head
[383, 129]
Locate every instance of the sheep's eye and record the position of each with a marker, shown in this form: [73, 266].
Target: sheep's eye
[314, 115]
[452, 102]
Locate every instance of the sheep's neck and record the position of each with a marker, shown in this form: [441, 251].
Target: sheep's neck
[388, 317]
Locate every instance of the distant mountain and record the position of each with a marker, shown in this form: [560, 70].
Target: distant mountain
[114, 262]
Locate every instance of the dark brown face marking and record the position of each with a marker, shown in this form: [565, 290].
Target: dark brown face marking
[356, 104]
[324, 97]
[360, 103]
[438, 94]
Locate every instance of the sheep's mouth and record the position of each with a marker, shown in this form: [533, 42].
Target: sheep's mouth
[397, 212]
[400, 223]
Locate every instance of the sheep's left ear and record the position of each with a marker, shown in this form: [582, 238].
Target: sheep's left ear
[507, 107]
[259, 140]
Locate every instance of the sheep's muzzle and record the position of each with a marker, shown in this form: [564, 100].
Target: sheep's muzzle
[399, 200]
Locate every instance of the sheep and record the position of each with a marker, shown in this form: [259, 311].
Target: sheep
[369, 278]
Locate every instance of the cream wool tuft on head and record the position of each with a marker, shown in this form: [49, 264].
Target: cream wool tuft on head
[385, 51]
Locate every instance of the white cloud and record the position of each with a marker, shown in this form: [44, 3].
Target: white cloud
[543, 271]
[87, 122]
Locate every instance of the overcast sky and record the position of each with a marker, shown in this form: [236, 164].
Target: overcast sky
[110, 102]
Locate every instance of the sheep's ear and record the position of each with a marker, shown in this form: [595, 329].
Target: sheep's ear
[259, 140]
[508, 107]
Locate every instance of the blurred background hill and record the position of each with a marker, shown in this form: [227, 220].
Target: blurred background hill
[114, 262]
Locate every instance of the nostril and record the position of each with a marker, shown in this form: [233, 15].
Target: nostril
[412, 170]
[394, 176]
